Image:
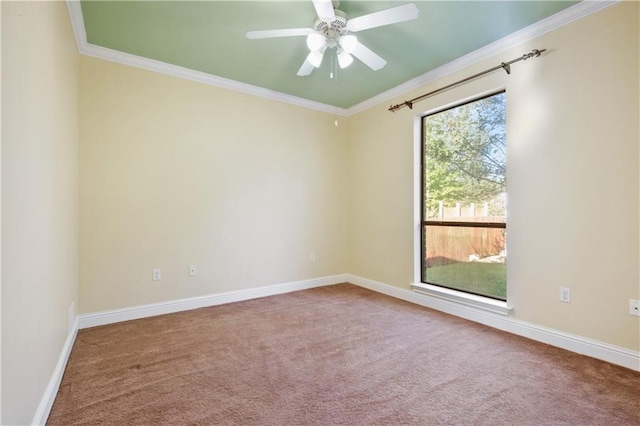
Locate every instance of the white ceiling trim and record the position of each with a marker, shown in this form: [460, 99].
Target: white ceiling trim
[551, 23]
[86, 48]
[564, 17]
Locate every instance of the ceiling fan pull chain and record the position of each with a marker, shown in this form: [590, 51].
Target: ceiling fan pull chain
[331, 68]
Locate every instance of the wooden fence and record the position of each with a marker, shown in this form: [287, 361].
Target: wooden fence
[450, 244]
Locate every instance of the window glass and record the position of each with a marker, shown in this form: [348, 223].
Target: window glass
[465, 199]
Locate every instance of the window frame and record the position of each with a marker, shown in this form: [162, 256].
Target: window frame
[423, 284]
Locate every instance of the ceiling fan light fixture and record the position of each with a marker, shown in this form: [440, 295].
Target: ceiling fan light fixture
[315, 58]
[349, 43]
[344, 59]
[315, 42]
[332, 31]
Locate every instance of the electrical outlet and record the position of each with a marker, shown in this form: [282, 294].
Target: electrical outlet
[193, 271]
[565, 294]
[312, 257]
[156, 275]
[634, 307]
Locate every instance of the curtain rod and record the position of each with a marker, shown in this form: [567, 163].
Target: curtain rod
[505, 65]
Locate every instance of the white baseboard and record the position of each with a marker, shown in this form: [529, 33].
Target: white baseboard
[172, 306]
[595, 349]
[135, 312]
[49, 396]
[603, 351]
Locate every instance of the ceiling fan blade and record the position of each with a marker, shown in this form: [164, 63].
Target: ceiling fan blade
[394, 15]
[315, 57]
[368, 57]
[324, 9]
[305, 69]
[287, 32]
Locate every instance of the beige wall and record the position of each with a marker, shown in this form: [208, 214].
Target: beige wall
[572, 136]
[175, 173]
[0, 222]
[39, 198]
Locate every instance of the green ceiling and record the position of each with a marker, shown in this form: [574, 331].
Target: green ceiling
[209, 36]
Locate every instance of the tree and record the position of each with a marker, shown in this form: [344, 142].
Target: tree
[465, 153]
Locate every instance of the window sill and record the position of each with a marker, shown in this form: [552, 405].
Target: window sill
[459, 297]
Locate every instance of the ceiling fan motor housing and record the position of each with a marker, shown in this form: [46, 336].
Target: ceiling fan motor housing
[333, 30]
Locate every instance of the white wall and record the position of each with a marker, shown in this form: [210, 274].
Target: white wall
[572, 160]
[39, 198]
[175, 173]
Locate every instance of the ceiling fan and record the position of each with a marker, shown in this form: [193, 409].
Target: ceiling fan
[332, 30]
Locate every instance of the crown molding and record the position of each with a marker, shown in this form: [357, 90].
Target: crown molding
[551, 23]
[564, 17]
[85, 48]
[77, 23]
[201, 77]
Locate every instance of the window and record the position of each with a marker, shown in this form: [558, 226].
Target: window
[464, 198]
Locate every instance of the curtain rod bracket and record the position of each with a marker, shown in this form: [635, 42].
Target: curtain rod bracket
[507, 68]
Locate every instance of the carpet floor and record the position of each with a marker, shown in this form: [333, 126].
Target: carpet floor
[332, 355]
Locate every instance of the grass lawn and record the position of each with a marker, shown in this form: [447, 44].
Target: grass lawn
[487, 279]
